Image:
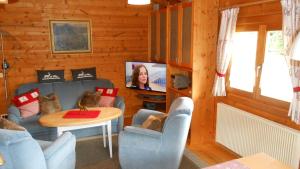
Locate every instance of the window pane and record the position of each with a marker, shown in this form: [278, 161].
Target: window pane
[242, 72]
[275, 81]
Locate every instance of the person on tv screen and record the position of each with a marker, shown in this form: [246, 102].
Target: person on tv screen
[140, 79]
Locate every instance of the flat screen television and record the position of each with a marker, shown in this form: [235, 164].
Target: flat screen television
[146, 76]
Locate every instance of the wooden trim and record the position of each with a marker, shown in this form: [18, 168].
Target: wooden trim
[247, 4]
[174, 7]
[260, 54]
[184, 92]
[168, 34]
[186, 68]
[3, 1]
[179, 35]
[163, 10]
[149, 36]
[157, 56]
[187, 4]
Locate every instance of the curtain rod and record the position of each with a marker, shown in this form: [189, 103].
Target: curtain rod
[247, 4]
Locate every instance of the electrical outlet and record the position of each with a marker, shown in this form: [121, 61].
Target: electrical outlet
[1, 75]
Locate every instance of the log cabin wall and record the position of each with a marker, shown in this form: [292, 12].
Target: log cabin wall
[119, 33]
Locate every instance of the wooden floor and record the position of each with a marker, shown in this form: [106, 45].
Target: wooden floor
[213, 153]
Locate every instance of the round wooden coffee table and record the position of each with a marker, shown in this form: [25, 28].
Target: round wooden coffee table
[65, 124]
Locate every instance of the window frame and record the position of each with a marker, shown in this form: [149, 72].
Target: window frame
[256, 96]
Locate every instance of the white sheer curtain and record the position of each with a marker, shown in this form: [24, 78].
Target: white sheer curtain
[224, 50]
[290, 27]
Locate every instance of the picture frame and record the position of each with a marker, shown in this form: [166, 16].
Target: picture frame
[70, 36]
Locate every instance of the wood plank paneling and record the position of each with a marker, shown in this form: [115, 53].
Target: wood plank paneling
[119, 34]
[204, 40]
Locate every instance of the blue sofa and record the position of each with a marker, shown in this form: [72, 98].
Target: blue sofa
[20, 151]
[68, 92]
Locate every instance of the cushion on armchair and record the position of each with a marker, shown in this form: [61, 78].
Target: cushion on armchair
[9, 125]
[28, 103]
[154, 122]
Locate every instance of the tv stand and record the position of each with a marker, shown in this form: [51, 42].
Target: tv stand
[153, 100]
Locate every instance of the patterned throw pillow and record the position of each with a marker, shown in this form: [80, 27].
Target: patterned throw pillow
[9, 125]
[49, 104]
[28, 103]
[49, 76]
[89, 99]
[155, 122]
[84, 74]
[108, 96]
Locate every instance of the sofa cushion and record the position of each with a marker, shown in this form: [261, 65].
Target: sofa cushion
[27, 103]
[89, 99]
[49, 104]
[49, 76]
[108, 96]
[68, 93]
[44, 88]
[84, 74]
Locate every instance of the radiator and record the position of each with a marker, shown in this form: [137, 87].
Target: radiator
[248, 134]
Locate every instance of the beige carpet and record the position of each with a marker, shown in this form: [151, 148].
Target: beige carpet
[90, 154]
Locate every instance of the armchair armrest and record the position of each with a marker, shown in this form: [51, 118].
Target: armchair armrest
[142, 115]
[119, 103]
[61, 152]
[135, 136]
[14, 114]
[143, 131]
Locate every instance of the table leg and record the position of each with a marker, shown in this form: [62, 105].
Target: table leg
[104, 135]
[59, 131]
[109, 137]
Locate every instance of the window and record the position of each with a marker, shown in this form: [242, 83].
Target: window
[242, 72]
[275, 80]
[262, 72]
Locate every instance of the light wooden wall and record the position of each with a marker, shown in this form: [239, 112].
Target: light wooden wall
[204, 45]
[119, 33]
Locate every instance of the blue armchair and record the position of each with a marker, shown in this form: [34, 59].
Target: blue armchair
[149, 149]
[20, 151]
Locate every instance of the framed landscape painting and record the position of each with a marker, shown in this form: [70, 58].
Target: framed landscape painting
[70, 36]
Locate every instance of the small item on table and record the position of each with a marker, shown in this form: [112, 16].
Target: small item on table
[82, 114]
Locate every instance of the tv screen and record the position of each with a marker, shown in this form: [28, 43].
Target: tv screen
[146, 76]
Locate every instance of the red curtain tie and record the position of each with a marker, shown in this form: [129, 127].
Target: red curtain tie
[220, 74]
[296, 89]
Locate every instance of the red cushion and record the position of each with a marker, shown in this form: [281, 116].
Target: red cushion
[107, 96]
[28, 103]
[108, 91]
[82, 114]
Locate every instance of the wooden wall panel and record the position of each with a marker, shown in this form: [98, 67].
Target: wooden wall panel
[119, 34]
[204, 35]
